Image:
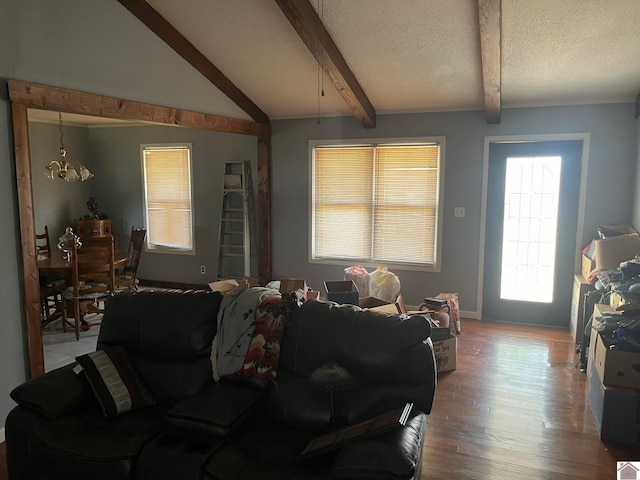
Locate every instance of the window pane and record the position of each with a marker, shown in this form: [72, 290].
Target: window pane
[376, 203]
[343, 191]
[406, 203]
[167, 173]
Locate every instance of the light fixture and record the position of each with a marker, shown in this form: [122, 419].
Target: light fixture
[64, 169]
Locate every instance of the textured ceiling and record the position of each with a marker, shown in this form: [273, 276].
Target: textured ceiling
[419, 55]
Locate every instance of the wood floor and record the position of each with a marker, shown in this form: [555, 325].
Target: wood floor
[514, 409]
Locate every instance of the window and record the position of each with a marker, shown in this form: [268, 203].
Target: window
[377, 203]
[168, 202]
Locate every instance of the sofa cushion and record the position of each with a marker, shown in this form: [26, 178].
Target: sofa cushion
[168, 324]
[394, 455]
[88, 445]
[370, 344]
[171, 380]
[56, 393]
[218, 409]
[114, 381]
[168, 335]
[376, 348]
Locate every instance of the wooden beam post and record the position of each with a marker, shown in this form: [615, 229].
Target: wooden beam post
[172, 37]
[490, 21]
[306, 22]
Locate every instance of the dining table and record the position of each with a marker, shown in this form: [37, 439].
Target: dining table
[56, 265]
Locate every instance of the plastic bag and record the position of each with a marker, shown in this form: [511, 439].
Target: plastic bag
[360, 277]
[384, 285]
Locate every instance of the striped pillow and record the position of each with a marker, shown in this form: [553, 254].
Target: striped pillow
[114, 381]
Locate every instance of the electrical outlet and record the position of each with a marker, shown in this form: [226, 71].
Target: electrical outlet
[203, 269]
[458, 212]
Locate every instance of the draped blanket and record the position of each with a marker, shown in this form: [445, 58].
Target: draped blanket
[237, 322]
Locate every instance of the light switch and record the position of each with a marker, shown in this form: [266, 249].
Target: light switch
[458, 212]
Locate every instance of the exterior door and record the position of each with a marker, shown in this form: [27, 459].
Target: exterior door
[532, 215]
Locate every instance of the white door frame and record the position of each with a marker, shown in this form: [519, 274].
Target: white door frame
[585, 138]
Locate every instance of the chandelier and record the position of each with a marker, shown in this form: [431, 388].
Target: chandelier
[63, 169]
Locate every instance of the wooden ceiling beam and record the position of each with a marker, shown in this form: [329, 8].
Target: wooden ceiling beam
[158, 25]
[490, 22]
[307, 23]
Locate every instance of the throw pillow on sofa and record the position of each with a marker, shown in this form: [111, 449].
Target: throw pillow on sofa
[114, 381]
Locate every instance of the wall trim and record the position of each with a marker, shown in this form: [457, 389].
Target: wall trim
[585, 138]
[2, 435]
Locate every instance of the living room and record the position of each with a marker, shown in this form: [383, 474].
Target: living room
[102, 48]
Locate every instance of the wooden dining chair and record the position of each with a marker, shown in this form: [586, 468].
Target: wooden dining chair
[51, 287]
[92, 280]
[128, 277]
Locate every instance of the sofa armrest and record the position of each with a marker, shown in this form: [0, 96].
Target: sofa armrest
[396, 454]
[55, 393]
[218, 409]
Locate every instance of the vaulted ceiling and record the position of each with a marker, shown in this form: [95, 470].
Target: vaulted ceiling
[402, 56]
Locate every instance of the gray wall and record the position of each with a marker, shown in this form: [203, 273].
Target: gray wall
[118, 187]
[636, 200]
[613, 154]
[57, 203]
[113, 155]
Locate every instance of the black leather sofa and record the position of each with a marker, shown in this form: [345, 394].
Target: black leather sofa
[234, 428]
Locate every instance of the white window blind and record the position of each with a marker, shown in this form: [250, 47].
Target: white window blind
[168, 198]
[376, 203]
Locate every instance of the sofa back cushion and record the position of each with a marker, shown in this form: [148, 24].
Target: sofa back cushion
[372, 345]
[390, 358]
[168, 335]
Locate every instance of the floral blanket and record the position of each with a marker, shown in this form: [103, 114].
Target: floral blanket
[263, 354]
[249, 331]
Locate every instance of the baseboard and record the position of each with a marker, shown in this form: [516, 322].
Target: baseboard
[469, 314]
[1, 435]
[463, 313]
[172, 285]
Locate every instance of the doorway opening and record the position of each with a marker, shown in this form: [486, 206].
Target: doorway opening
[533, 203]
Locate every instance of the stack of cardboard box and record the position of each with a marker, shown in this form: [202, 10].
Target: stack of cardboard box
[614, 383]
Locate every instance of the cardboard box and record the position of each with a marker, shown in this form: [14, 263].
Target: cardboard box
[576, 323]
[446, 352]
[439, 334]
[612, 251]
[342, 291]
[587, 266]
[223, 286]
[374, 303]
[616, 368]
[292, 284]
[616, 411]
[598, 310]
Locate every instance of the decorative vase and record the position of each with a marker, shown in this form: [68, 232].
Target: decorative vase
[67, 241]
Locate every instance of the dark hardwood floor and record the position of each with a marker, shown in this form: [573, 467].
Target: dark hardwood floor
[515, 408]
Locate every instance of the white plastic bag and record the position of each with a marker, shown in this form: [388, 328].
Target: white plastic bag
[360, 277]
[384, 285]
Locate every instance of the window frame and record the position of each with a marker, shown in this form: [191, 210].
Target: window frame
[148, 247]
[372, 142]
